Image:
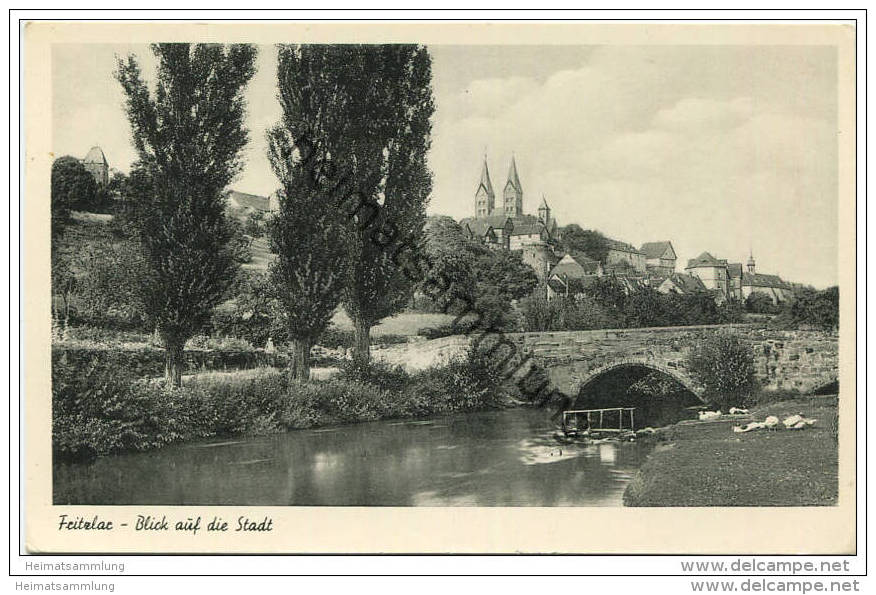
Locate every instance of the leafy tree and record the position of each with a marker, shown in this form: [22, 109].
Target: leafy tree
[580, 312]
[811, 308]
[645, 308]
[106, 289]
[724, 364]
[255, 312]
[72, 187]
[609, 293]
[386, 99]
[591, 242]
[760, 303]
[464, 275]
[691, 308]
[188, 135]
[450, 279]
[307, 232]
[254, 226]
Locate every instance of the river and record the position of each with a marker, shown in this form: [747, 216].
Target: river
[492, 458]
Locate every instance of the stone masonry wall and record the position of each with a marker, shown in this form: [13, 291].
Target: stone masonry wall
[802, 360]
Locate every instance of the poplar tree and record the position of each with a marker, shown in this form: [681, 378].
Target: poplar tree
[397, 100]
[307, 232]
[188, 132]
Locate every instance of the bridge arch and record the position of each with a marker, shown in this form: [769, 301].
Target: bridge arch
[679, 375]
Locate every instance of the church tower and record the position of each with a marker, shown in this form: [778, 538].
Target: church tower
[751, 263]
[513, 194]
[485, 198]
[544, 212]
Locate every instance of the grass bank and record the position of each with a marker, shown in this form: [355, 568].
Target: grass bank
[100, 410]
[706, 464]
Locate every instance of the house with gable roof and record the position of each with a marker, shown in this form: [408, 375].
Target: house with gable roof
[660, 257]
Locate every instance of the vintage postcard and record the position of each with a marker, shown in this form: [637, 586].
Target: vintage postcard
[439, 287]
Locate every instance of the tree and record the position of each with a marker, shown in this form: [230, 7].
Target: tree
[450, 281]
[188, 135]
[760, 303]
[387, 99]
[308, 231]
[464, 275]
[72, 187]
[644, 308]
[724, 364]
[609, 293]
[811, 308]
[591, 242]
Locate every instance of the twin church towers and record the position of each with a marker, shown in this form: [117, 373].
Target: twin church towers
[512, 194]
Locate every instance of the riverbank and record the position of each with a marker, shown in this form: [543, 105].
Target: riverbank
[101, 410]
[707, 464]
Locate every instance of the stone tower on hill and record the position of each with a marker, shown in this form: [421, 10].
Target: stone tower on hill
[513, 194]
[485, 198]
[96, 164]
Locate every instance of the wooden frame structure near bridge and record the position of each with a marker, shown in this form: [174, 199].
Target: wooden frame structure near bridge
[591, 415]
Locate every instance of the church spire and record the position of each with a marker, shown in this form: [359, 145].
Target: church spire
[485, 178]
[513, 178]
[485, 198]
[513, 193]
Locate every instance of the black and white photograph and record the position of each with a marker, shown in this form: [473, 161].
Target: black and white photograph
[405, 274]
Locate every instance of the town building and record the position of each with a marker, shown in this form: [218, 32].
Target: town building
[96, 164]
[660, 258]
[682, 284]
[733, 283]
[574, 273]
[540, 258]
[246, 203]
[623, 254]
[770, 285]
[710, 270]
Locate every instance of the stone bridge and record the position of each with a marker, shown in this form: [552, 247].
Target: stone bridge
[802, 360]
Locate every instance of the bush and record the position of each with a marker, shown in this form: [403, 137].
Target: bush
[811, 309]
[580, 312]
[99, 409]
[149, 362]
[381, 375]
[760, 303]
[463, 327]
[724, 364]
[99, 406]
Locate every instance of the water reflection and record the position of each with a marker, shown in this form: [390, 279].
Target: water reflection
[505, 458]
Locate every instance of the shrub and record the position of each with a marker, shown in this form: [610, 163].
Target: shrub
[149, 362]
[381, 375]
[463, 327]
[100, 407]
[219, 343]
[724, 364]
[811, 309]
[760, 303]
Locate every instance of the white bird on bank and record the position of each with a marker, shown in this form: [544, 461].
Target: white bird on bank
[755, 425]
[797, 422]
[771, 422]
[707, 415]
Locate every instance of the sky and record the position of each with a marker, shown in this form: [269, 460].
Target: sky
[722, 149]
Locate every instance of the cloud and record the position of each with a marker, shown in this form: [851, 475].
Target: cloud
[711, 149]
